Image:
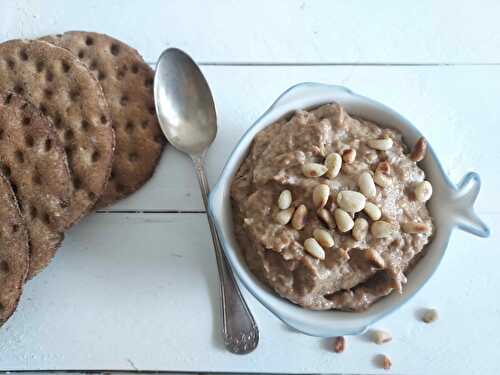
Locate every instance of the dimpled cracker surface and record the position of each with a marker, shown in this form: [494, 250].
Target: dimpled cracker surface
[14, 251]
[62, 88]
[34, 162]
[127, 82]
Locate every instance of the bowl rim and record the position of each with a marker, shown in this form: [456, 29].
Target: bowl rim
[282, 106]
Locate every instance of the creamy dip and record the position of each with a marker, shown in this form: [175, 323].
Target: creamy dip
[316, 247]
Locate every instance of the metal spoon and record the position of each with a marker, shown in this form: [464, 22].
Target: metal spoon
[186, 112]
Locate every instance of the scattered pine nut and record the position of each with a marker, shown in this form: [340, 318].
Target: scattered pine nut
[285, 199]
[333, 162]
[431, 315]
[423, 191]
[349, 155]
[343, 220]
[314, 169]
[419, 150]
[321, 193]
[381, 144]
[351, 201]
[386, 363]
[283, 217]
[339, 344]
[326, 217]
[381, 337]
[360, 229]
[314, 248]
[299, 217]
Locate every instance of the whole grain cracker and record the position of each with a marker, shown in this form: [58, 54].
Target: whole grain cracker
[14, 251]
[55, 81]
[127, 82]
[34, 162]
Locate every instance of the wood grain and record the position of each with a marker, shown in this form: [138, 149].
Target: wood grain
[456, 108]
[113, 297]
[277, 31]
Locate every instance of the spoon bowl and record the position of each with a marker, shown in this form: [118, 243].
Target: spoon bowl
[184, 103]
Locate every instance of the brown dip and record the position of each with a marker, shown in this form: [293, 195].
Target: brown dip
[348, 278]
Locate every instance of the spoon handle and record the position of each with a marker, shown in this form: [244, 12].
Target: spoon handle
[241, 334]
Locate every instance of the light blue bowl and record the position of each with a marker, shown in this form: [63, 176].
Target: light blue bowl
[451, 207]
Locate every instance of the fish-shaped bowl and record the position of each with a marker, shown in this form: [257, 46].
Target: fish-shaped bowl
[451, 206]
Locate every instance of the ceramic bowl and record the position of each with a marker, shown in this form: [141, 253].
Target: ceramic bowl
[450, 206]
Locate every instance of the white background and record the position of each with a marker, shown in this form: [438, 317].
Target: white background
[132, 290]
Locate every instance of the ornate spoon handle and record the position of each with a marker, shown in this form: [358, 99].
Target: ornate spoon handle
[241, 334]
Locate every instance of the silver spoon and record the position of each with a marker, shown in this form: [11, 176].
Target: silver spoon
[186, 112]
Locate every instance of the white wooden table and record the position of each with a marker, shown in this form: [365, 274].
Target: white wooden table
[136, 287]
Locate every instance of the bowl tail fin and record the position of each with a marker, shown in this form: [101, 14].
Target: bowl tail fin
[465, 217]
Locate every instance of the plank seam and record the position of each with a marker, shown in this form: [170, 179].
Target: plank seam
[299, 64]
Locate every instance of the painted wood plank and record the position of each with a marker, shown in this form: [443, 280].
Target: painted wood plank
[294, 31]
[140, 291]
[456, 108]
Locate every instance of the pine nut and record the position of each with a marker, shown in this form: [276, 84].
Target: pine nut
[423, 191]
[382, 144]
[366, 185]
[360, 229]
[333, 162]
[248, 221]
[314, 169]
[371, 156]
[415, 228]
[314, 248]
[326, 217]
[382, 174]
[321, 193]
[372, 211]
[285, 199]
[430, 316]
[349, 155]
[384, 167]
[343, 220]
[339, 344]
[299, 217]
[374, 259]
[351, 201]
[419, 150]
[321, 148]
[382, 180]
[324, 237]
[381, 229]
[381, 337]
[283, 217]
[386, 362]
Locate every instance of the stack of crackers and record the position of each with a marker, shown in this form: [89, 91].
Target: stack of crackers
[78, 130]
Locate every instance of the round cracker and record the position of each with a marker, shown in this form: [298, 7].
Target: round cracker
[127, 82]
[14, 251]
[34, 161]
[55, 81]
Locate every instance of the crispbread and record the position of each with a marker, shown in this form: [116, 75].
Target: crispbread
[55, 81]
[127, 82]
[34, 161]
[14, 251]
